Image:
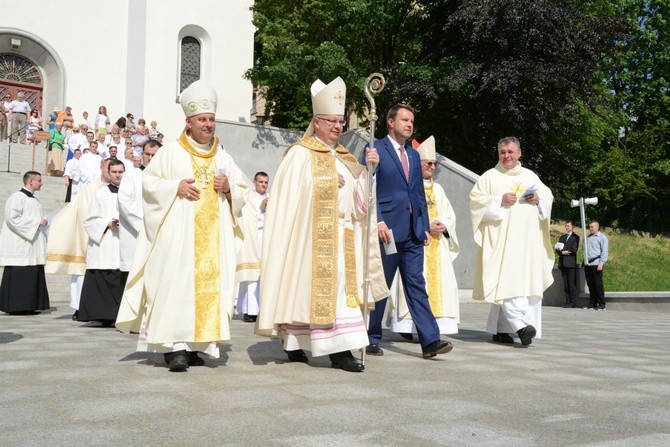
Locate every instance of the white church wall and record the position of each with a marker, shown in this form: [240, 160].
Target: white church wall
[124, 54]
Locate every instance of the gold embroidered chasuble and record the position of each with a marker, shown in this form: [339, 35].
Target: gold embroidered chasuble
[432, 253]
[325, 234]
[207, 243]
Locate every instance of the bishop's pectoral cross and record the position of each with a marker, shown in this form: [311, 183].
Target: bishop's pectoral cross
[202, 175]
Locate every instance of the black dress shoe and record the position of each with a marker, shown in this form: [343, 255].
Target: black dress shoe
[526, 335]
[249, 318]
[503, 338]
[194, 359]
[25, 312]
[297, 356]
[177, 361]
[406, 335]
[346, 361]
[107, 323]
[75, 315]
[374, 350]
[437, 347]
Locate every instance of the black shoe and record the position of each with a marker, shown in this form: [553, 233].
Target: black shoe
[107, 323]
[177, 361]
[25, 312]
[374, 350]
[75, 315]
[249, 318]
[297, 356]
[346, 361]
[406, 335]
[526, 335]
[194, 359]
[503, 338]
[437, 347]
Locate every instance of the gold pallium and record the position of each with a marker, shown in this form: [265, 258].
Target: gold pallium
[207, 246]
[325, 233]
[433, 267]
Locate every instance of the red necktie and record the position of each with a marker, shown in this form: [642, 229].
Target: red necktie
[404, 162]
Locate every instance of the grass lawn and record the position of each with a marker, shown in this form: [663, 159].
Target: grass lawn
[636, 263]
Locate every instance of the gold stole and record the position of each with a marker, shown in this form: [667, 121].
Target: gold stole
[433, 268]
[325, 234]
[206, 239]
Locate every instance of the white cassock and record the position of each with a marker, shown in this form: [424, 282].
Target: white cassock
[515, 256]
[171, 298]
[249, 255]
[312, 287]
[438, 271]
[72, 171]
[130, 215]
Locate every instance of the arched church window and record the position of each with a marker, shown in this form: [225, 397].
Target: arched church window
[17, 69]
[190, 62]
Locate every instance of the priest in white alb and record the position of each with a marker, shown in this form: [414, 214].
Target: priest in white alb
[249, 254]
[511, 211]
[180, 289]
[438, 267]
[312, 262]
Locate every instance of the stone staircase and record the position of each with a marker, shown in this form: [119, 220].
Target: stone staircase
[52, 196]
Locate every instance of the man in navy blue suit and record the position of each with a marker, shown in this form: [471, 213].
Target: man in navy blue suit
[402, 217]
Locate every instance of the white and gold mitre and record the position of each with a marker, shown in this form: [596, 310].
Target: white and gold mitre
[327, 99]
[197, 98]
[427, 149]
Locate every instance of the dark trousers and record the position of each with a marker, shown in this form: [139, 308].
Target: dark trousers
[409, 260]
[570, 285]
[594, 279]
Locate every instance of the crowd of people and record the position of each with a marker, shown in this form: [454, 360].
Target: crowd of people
[170, 242]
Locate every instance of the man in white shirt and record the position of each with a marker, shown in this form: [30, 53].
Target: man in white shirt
[71, 176]
[18, 114]
[103, 150]
[76, 141]
[128, 158]
[89, 165]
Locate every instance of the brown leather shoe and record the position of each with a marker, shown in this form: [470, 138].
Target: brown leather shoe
[437, 347]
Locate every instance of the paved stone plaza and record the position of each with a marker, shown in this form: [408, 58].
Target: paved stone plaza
[595, 379]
